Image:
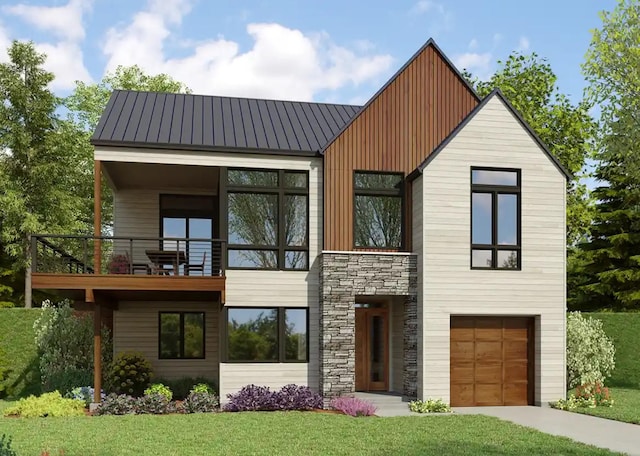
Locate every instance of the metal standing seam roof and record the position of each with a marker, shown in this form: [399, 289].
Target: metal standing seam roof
[199, 122]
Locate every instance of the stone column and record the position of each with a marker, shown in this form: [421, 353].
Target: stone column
[410, 342]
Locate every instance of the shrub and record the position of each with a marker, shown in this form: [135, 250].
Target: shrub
[48, 404]
[5, 446]
[66, 380]
[130, 373]
[294, 397]
[201, 388]
[181, 387]
[594, 393]
[5, 371]
[201, 402]
[159, 388]
[118, 264]
[117, 404]
[353, 406]
[429, 406]
[252, 398]
[65, 346]
[590, 353]
[153, 404]
[84, 394]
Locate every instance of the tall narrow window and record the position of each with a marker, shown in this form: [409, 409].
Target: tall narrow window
[181, 335]
[377, 218]
[495, 218]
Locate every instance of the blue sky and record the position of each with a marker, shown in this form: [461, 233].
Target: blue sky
[337, 51]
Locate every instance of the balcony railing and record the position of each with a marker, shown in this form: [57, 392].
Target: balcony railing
[75, 254]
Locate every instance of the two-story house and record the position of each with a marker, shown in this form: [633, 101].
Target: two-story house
[415, 244]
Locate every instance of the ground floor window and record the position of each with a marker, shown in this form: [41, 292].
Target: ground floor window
[181, 335]
[266, 334]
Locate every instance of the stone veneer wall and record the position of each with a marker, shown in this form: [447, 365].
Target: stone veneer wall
[345, 275]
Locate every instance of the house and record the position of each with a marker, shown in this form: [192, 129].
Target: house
[415, 244]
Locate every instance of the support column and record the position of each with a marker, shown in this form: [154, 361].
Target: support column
[410, 349]
[97, 351]
[97, 216]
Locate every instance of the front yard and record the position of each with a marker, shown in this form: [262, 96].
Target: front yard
[626, 406]
[276, 433]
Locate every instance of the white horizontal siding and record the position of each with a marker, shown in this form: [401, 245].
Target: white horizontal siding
[233, 376]
[135, 328]
[493, 138]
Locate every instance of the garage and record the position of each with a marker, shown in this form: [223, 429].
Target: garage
[492, 361]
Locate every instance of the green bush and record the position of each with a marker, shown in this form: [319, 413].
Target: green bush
[590, 353]
[48, 404]
[4, 375]
[65, 345]
[429, 406]
[5, 446]
[202, 388]
[181, 387]
[130, 373]
[159, 388]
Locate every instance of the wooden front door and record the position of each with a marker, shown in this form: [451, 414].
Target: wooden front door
[372, 349]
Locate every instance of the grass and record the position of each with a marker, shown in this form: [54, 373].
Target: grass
[626, 406]
[623, 328]
[282, 433]
[17, 342]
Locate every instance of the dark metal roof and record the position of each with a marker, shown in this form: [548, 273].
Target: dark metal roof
[198, 122]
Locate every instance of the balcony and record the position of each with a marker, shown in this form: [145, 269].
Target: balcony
[128, 268]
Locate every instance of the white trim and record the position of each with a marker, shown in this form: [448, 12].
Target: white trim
[357, 252]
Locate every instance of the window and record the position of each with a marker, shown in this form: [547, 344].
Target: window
[495, 218]
[189, 216]
[378, 205]
[268, 219]
[181, 335]
[266, 334]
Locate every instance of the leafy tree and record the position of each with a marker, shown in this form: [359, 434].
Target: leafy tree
[611, 266]
[40, 175]
[529, 83]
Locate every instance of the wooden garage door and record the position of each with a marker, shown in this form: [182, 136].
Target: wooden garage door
[491, 361]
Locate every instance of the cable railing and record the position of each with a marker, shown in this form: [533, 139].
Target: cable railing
[168, 256]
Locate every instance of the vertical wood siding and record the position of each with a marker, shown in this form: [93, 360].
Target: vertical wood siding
[396, 132]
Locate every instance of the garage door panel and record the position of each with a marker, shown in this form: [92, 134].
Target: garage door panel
[488, 351]
[462, 351]
[490, 361]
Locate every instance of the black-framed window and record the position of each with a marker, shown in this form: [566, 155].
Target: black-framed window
[378, 220]
[266, 334]
[181, 335]
[495, 218]
[268, 219]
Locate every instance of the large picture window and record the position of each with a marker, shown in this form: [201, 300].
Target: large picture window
[266, 334]
[181, 335]
[377, 219]
[495, 218]
[268, 219]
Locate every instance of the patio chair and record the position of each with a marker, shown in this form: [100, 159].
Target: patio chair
[196, 266]
[144, 267]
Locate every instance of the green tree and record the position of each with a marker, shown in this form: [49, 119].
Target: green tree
[40, 177]
[529, 83]
[611, 266]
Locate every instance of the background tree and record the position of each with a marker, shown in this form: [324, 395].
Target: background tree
[529, 83]
[611, 266]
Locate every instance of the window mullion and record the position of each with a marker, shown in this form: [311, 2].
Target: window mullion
[281, 334]
[281, 220]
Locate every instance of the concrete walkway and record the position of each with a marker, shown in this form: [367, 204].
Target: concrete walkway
[600, 432]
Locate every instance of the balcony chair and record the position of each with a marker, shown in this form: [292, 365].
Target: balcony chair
[196, 267]
[144, 267]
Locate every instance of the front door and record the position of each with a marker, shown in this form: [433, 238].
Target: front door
[372, 348]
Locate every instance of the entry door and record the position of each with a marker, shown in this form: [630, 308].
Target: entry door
[372, 349]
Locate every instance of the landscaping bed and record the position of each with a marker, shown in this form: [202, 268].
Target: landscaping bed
[625, 408]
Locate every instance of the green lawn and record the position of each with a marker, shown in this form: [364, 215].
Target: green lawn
[626, 406]
[275, 433]
[623, 328]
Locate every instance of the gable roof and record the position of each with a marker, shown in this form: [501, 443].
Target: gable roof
[495, 93]
[430, 43]
[198, 122]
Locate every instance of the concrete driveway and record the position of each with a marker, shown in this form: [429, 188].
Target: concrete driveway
[600, 432]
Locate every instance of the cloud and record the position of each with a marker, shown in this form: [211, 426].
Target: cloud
[283, 62]
[66, 25]
[479, 64]
[5, 41]
[65, 22]
[441, 18]
[523, 44]
[473, 44]
[425, 6]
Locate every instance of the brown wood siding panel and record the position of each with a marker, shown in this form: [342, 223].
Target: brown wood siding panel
[395, 133]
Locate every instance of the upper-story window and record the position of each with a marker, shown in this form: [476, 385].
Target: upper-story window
[268, 219]
[378, 220]
[495, 218]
